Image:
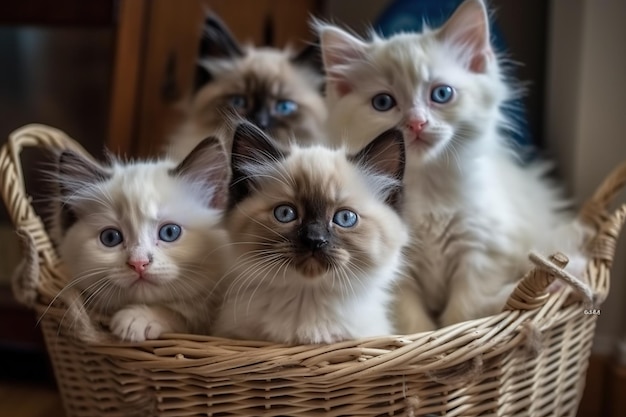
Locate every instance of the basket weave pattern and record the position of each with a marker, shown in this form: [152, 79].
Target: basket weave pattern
[529, 360]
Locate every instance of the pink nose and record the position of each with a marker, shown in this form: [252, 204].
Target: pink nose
[139, 265]
[416, 125]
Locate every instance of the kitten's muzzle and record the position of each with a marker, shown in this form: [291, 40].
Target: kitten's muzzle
[314, 236]
[138, 265]
[262, 119]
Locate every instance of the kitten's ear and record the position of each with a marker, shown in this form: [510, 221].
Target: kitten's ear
[251, 148]
[207, 166]
[385, 155]
[75, 171]
[216, 42]
[468, 27]
[339, 49]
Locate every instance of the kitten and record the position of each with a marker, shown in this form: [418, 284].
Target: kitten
[279, 91]
[318, 239]
[475, 211]
[141, 240]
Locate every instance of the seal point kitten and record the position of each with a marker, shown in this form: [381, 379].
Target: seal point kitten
[318, 239]
[280, 91]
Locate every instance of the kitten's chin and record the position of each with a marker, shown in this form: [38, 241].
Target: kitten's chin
[312, 267]
[426, 147]
[418, 144]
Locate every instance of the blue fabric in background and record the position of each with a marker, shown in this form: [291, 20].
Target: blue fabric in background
[410, 15]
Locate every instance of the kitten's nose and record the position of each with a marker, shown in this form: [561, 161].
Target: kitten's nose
[314, 236]
[262, 119]
[139, 265]
[416, 125]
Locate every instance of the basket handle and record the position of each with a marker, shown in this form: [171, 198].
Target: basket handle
[608, 225]
[30, 227]
[532, 291]
[594, 211]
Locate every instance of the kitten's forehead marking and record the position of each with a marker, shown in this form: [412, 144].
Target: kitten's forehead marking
[319, 176]
[405, 61]
[265, 71]
[262, 86]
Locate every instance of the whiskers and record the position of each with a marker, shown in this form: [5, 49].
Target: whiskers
[99, 296]
[259, 267]
[458, 147]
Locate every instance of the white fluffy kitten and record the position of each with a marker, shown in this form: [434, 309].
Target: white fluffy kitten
[141, 240]
[474, 210]
[318, 238]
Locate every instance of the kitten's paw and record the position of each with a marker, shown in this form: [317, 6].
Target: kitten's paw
[139, 323]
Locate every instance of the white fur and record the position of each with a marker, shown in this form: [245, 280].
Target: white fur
[138, 198]
[475, 210]
[269, 299]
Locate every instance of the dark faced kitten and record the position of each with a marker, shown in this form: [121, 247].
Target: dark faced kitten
[317, 238]
[277, 90]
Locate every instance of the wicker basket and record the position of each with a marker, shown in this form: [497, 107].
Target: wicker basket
[529, 360]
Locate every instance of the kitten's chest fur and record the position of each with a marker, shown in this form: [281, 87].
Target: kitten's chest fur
[447, 227]
[305, 314]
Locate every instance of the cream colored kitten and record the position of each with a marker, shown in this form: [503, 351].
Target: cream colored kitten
[475, 211]
[318, 240]
[277, 90]
[141, 240]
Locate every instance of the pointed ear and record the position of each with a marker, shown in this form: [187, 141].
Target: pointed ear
[468, 27]
[216, 42]
[75, 171]
[310, 56]
[207, 166]
[385, 156]
[251, 147]
[339, 49]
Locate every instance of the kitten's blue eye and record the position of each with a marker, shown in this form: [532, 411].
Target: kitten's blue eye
[238, 101]
[285, 213]
[169, 232]
[345, 218]
[285, 107]
[442, 94]
[383, 102]
[111, 237]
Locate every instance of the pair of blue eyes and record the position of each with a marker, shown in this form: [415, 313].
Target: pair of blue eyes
[344, 218]
[281, 108]
[440, 94]
[112, 237]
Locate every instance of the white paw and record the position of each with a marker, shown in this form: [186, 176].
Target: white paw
[138, 323]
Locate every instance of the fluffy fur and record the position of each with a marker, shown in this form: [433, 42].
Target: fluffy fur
[310, 280]
[475, 211]
[112, 234]
[278, 90]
